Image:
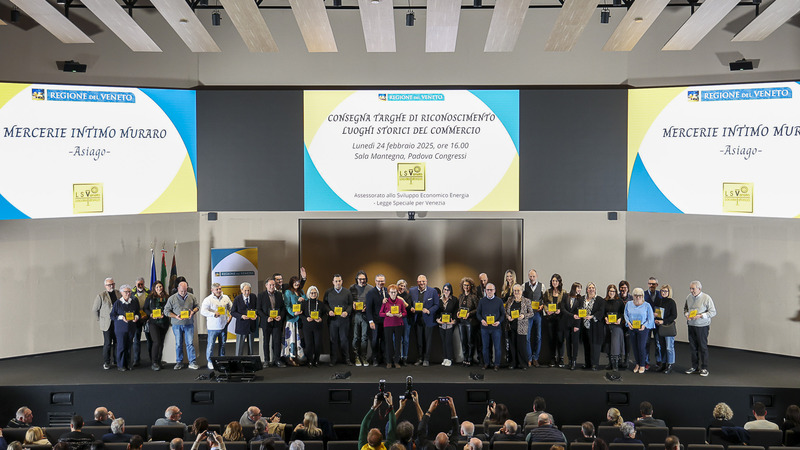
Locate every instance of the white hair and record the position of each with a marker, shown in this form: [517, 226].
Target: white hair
[696, 283]
[118, 425]
[244, 285]
[125, 286]
[297, 445]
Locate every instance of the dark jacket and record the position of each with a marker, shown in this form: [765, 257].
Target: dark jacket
[264, 308]
[240, 309]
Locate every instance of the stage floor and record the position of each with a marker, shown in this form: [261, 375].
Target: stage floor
[729, 368]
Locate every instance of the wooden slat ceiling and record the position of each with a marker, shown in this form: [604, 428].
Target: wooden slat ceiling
[710, 13]
[250, 24]
[635, 24]
[123, 25]
[441, 27]
[377, 19]
[312, 18]
[573, 18]
[768, 21]
[506, 24]
[53, 21]
[183, 20]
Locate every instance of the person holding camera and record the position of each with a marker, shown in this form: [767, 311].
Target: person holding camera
[443, 441]
[214, 440]
[372, 439]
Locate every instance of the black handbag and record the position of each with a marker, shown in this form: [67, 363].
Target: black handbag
[668, 330]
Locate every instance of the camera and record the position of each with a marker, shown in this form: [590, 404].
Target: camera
[409, 386]
[442, 399]
[491, 403]
[210, 434]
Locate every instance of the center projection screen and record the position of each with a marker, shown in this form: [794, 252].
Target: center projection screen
[445, 250]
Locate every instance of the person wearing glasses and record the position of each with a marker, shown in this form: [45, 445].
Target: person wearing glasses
[491, 314]
[125, 314]
[651, 296]
[666, 311]
[101, 308]
[639, 319]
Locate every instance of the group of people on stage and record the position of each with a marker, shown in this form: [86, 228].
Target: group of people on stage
[381, 321]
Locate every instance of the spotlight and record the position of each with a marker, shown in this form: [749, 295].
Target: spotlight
[742, 64]
[477, 3]
[605, 15]
[410, 19]
[411, 215]
[337, 3]
[216, 19]
[14, 15]
[72, 66]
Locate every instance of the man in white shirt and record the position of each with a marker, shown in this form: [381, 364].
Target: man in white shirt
[761, 422]
[217, 310]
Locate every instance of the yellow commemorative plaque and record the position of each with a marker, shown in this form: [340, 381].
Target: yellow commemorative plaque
[296, 307]
[315, 315]
[156, 314]
[535, 306]
[445, 317]
[251, 314]
[636, 324]
[87, 198]
[490, 320]
[552, 307]
[462, 313]
[394, 309]
[337, 310]
[612, 318]
[692, 313]
[128, 316]
[515, 314]
[582, 313]
[358, 305]
[659, 313]
[418, 306]
[221, 310]
[410, 176]
[184, 315]
[737, 197]
[272, 313]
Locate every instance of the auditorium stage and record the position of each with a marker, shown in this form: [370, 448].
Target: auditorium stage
[141, 395]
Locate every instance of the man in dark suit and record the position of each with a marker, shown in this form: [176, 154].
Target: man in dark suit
[533, 291]
[101, 308]
[423, 321]
[338, 305]
[508, 432]
[244, 310]
[272, 312]
[651, 295]
[375, 298]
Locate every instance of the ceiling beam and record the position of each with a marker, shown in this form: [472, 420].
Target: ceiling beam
[312, 18]
[635, 23]
[710, 13]
[507, 19]
[441, 25]
[573, 18]
[123, 25]
[183, 20]
[768, 21]
[53, 21]
[250, 24]
[377, 20]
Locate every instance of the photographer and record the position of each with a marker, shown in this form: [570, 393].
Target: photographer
[214, 440]
[443, 441]
[370, 439]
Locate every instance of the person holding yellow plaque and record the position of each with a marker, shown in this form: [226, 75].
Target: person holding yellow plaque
[640, 320]
[553, 299]
[358, 291]
[272, 312]
[533, 291]
[518, 313]
[593, 330]
[312, 326]
[491, 314]
[665, 328]
[216, 308]
[467, 321]
[293, 351]
[571, 321]
[125, 313]
[244, 310]
[698, 310]
[101, 308]
[158, 322]
[181, 308]
[393, 311]
[338, 305]
[448, 309]
[375, 298]
[424, 304]
[614, 311]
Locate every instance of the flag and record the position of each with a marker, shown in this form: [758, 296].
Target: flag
[173, 273]
[152, 268]
[163, 266]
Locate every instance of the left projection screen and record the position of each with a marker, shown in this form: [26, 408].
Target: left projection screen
[89, 150]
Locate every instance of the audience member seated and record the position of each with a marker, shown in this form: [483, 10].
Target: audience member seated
[3, 443]
[672, 443]
[199, 425]
[136, 443]
[613, 419]
[15, 445]
[761, 422]
[23, 418]
[587, 433]
[77, 439]
[397, 446]
[545, 431]
[628, 430]
[251, 416]
[442, 441]
[172, 416]
[599, 444]
[722, 416]
[176, 444]
[214, 440]
[233, 432]
[532, 418]
[372, 439]
[474, 444]
[260, 432]
[509, 432]
[467, 431]
[496, 414]
[308, 430]
[118, 433]
[404, 433]
[297, 445]
[36, 436]
[102, 417]
[792, 418]
[646, 419]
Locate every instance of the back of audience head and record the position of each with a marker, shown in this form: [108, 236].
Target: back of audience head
[397, 446]
[792, 415]
[310, 423]
[759, 409]
[501, 413]
[672, 443]
[557, 447]
[77, 422]
[33, 434]
[199, 425]
[613, 415]
[628, 429]
[539, 404]
[474, 444]
[599, 444]
[545, 419]
[172, 412]
[118, 425]
[136, 442]
[24, 414]
[467, 428]
[260, 427]
[297, 445]
[441, 441]
[374, 438]
[404, 431]
[723, 411]
[16, 445]
[176, 444]
[510, 427]
[587, 428]
[646, 408]
[100, 413]
[233, 432]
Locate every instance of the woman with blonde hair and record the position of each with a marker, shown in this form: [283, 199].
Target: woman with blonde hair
[233, 432]
[506, 294]
[35, 436]
[308, 430]
[613, 417]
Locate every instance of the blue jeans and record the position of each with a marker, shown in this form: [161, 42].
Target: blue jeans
[494, 334]
[668, 343]
[213, 336]
[535, 330]
[184, 333]
[406, 336]
[639, 340]
[360, 334]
